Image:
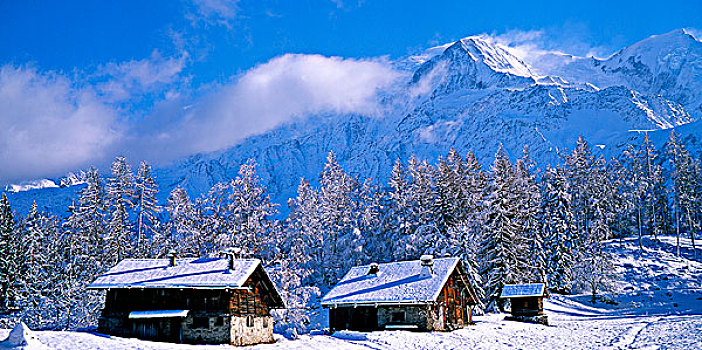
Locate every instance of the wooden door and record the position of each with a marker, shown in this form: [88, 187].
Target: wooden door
[364, 318]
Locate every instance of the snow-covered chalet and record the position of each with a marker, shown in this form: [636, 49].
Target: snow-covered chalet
[426, 294]
[197, 300]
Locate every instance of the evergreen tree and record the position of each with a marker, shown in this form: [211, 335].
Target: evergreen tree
[338, 196]
[529, 217]
[250, 212]
[146, 208]
[561, 235]
[119, 192]
[500, 245]
[10, 257]
[183, 235]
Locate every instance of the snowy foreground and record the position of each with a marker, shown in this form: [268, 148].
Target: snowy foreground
[659, 306]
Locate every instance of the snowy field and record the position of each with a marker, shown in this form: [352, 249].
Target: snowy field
[659, 306]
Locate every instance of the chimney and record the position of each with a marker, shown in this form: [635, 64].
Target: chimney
[232, 254]
[171, 258]
[373, 269]
[427, 263]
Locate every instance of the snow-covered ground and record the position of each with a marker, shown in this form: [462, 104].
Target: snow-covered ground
[658, 306]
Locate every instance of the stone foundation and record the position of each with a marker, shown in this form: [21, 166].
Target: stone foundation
[541, 319]
[249, 330]
[212, 334]
[412, 315]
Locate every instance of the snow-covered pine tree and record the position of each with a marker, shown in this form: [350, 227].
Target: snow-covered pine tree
[595, 270]
[146, 208]
[686, 188]
[450, 205]
[338, 199]
[249, 213]
[475, 190]
[120, 193]
[656, 197]
[423, 195]
[530, 217]
[630, 171]
[31, 241]
[374, 222]
[10, 257]
[41, 291]
[182, 235]
[84, 251]
[674, 150]
[499, 248]
[400, 214]
[304, 225]
[561, 235]
[292, 272]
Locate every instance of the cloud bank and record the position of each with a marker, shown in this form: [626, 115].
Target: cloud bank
[281, 90]
[47, 126]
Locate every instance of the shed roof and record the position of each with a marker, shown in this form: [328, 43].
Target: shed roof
[523, 290]
[395, 283]
[187, 273]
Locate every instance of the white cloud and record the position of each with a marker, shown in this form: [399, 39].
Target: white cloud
[47, 126]
[284, 89]
[213, 12]
[547, 50]
[125, 80]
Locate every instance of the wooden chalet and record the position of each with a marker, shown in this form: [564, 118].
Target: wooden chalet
[200, 301]
[425, 295]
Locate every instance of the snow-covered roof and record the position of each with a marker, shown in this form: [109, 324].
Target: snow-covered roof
[187, 273]
[395, 283]
[523, 290]
[158, 313]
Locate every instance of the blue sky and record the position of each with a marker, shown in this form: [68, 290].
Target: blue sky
[83, 81]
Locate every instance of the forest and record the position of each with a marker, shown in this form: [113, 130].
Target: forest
[513, 222]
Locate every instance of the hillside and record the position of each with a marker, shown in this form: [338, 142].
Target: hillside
[657, 304]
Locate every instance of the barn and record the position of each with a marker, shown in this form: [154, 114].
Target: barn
[197, 300]
[425, 295]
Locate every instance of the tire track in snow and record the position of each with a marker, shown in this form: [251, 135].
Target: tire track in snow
[627, 338]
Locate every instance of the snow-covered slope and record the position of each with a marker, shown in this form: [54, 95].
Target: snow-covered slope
[474, 94]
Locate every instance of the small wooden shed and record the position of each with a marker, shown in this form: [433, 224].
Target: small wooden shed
[426, 294]
[527, 301]
[198, 301]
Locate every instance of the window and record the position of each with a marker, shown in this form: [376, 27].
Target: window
[249, 321]
[201, 322]
[398, 316]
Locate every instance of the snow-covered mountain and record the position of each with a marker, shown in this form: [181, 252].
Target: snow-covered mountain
[474, 94]
[669, 65]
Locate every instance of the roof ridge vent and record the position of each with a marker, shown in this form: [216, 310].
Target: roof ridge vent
[232, 254]
[171, 258]
[427, 264]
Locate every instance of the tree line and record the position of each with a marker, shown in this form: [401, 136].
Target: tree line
[510, 223]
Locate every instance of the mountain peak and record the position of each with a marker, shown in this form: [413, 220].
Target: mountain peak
[482, 49]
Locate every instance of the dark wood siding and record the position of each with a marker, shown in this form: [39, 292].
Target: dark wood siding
[528, 306]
